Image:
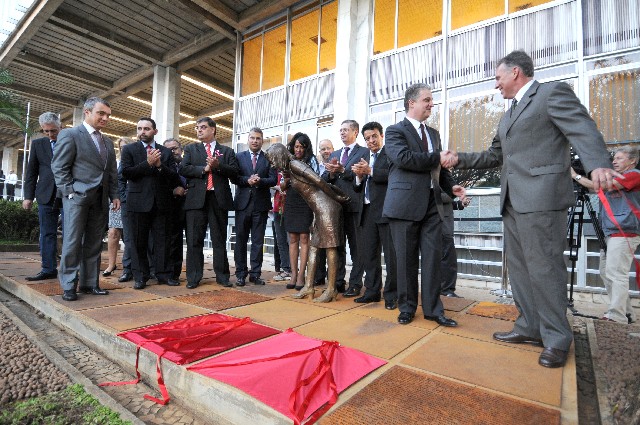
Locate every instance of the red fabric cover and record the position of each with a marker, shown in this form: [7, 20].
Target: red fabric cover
[194, 338]
[293, 374]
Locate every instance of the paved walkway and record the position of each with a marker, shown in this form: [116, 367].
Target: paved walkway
[433, 375]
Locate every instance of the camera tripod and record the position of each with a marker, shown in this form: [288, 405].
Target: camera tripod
[574, 235]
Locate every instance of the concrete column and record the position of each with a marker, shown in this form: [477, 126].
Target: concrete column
[165, 109]
[353, 50]
[78, 115]
[10, 161]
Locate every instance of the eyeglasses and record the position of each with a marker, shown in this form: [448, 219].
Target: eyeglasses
[50, 131]
[202, 127]
[175, 148]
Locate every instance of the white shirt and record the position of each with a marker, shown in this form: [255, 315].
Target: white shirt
[416, 124]
[12, 178]
[523, 90]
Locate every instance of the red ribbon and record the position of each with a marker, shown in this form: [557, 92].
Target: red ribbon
[322, 371]
[227, 326]
[636, 212]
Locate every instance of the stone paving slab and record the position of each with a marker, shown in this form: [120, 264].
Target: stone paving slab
[118, 297]
[403, 396]
[52, 287]
[456, 304]
[506, 369]
[372, 336]
[281, 314]
[222, 300]
[275, 289]
[340, 304]
[499, 311]
[174, 291]
[130, 316]
[377, 310]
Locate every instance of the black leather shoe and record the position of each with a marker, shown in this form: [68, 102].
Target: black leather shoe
[442, 321]
[173, 282]
[225, 283]
[70, 295]
[390, 305]
[110, 272]
[140, 285]
[552, 357]
[256, 280]
[126, 276]
[93, 291]
[341, 287]
[240, 282]
[365, 299]
[153, 276]
[353, 291]
[193, 285]
[405, 318]
[42, 276]
[515, 338]
[451, 294]
[290, 286]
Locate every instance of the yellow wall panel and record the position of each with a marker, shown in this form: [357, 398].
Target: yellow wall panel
[518, 5]
[467, 12]
[328, 35]
[418, 20]
[275, 49]
[384, 25]
[304, 46]
[251, 56]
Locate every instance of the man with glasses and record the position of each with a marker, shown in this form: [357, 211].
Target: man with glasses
[208, 166]
[39, 184]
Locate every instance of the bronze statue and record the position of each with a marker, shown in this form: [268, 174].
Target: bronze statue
[324, 199]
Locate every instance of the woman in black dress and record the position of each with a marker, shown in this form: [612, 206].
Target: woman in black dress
[298, 216]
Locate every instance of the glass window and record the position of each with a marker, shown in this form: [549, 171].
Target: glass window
[251, 58]
[518, 5]
[418, 20]
[467, 12]
[614, 101]
[384, 25]
[328, 36]
[473, 122]
[304, 45]
[275, 49]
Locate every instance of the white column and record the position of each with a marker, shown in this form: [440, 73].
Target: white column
[353, 51]
[10, 161]
[165, 109]
[78, 115]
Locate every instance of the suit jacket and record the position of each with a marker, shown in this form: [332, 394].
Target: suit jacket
[377, 187]
[78, 168]
[261, 193]
[532, 146]
[148, 186]
[39, 183]
[345, 180]
[193, 164]
[410, 172]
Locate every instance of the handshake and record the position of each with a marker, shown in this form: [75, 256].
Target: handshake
[448, 159]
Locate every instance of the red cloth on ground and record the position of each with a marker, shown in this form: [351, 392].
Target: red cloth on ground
[293, 374]
[194, 338]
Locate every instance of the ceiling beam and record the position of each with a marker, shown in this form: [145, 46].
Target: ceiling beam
[263, 10]
[63, 70]
[205, 55]
[72, 23]
[191, 47]
[215, 109]
[211, 20]
[204, 78]
[43, 94]
[26, 29]
[220, 10]
[145, 96]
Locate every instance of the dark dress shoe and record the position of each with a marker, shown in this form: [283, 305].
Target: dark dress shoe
[552, 357]
[173, 282]
[451, 294]
[70, 295]
[224, 283]
[42, 276]
[126, 276]
[193, 285]
[390, 304]
[515, 338]
[319, 282]
[240, 282]
[256, 280]
[94, 291]
[365, 299]
[153, 276]
[442, 321]
[405, 318]
[290, 286]
[108, 273]
[140, 285]
[353, 291]
[341, 287]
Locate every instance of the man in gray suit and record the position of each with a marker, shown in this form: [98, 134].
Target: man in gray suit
[413, 206]
[532, 146]
[84, 167]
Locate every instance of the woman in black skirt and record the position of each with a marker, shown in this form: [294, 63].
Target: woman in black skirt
[298, 216]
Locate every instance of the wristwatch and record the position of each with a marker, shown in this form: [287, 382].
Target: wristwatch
[577, 177]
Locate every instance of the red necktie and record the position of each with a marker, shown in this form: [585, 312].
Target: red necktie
[254, 160]
[425, 141]
[148, 149]
[210, 176]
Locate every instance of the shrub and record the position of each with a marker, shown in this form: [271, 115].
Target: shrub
[17, 224]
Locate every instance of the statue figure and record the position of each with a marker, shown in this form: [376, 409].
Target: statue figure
[324, 199]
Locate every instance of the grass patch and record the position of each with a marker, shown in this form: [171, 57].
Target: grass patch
[71, 406]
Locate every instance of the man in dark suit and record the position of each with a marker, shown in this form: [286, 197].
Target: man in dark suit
[84, 167]
[414, 206]
[176, 250]
[338, 171]
[449, 260]
[374, 236]
[151, 177]
[40, 185]
[208, 166]
[253, 202]
[532, 146]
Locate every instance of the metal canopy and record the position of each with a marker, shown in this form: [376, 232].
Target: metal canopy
[64, 51]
